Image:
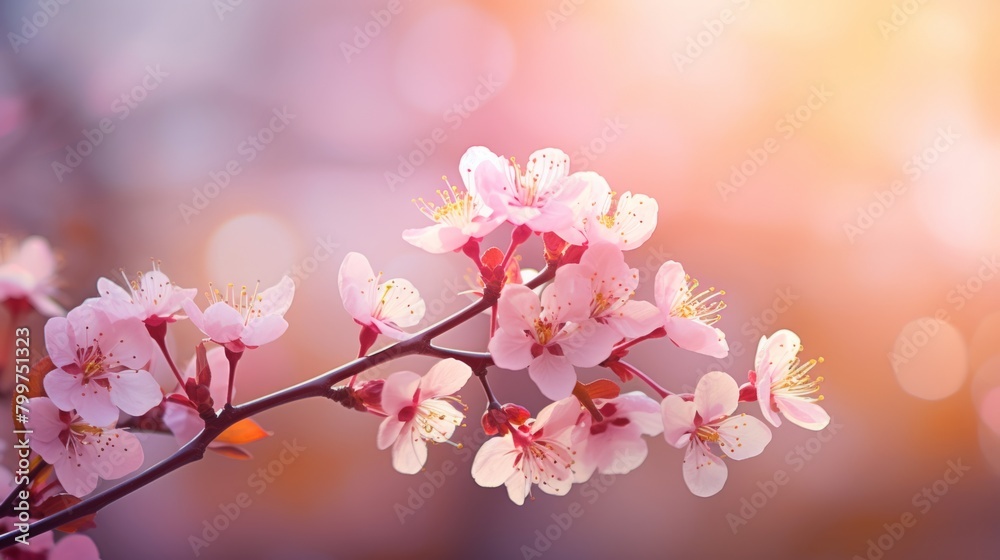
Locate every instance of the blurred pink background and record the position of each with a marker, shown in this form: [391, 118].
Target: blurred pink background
[832, 165]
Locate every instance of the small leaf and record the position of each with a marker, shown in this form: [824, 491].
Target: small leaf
[232, 452]
[244, 431]
[602, 389]
[55, 504]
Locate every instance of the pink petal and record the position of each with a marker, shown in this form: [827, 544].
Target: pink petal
[765, 398]
[743, 436]
[409, 453]
[444, 378]
[47, 427]
[641, 410]
[261, 330]
[45, 305]
[518, 308]
[678, 420]
[194, 313]
[222, 323]
[470, 162]
[696, 336]
[122, 454]
[805, 414]
[398, 391]
[127, 344]
[494, 462]
[776, 353]
[388, 431]
[277, 299]
[553, 216]
[61, 386]
[670, 286]
[554, 375]
[58, 342]
[616, 455]
[546, 167]
[704, 473]
[568, 297]
[75, 476]
[716, 396]
[36, 256]
[511, 349]
[355, 280]
[438, 238]
[589, 344]
[135, 392]
[518, 487]
[402, 305]
[635, 319]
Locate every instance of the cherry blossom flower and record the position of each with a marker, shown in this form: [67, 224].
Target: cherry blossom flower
[385, 307]
[184, 421]
[537, 196]
[241, 320]
[80, 452]
[614, 445]
[603, 216]
[688, 315]
[461, 216]
[784, 385]
[708, 419]
[537, 452]
[151, 298]
[612, 284]
[27, 276]
[550, 335]
[417, 411]
[100, 366]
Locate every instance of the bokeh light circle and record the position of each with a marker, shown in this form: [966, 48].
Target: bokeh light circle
[250, 248]
[930, 359]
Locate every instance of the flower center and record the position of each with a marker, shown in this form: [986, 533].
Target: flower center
[457, 208]
[543, 331]
[798, 383]
[242, 301]
[702, 307]
[707, 434]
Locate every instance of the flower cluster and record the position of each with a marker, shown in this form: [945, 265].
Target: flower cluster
[97, 382]
[100, 390]
[583, 314]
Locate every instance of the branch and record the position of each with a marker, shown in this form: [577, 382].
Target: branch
[194, 450]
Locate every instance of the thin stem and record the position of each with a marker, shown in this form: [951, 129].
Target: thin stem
[658, 333]
[234, 358]
[494, 403]
[520, 234]
[649, 381]
[318, 386]
[159, 335]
